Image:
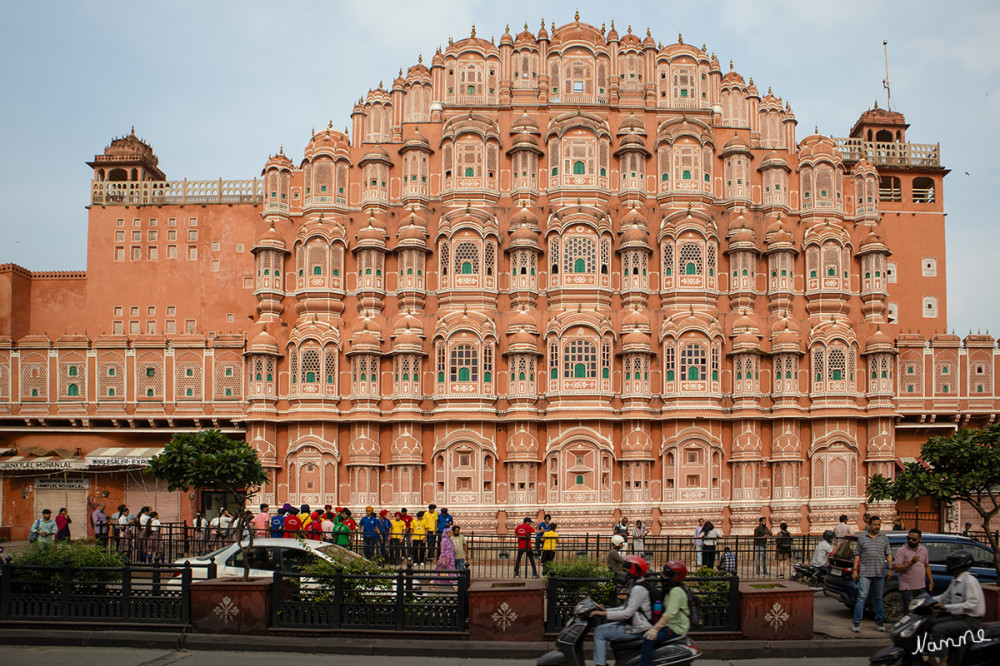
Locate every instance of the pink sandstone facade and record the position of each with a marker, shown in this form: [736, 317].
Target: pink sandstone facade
[577, 270]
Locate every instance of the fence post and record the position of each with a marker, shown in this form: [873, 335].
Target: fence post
[6, 573]
[213, 569]
[400, 601]
[127, 591]
[186, 593]
[276, 596]
[733, 623]
[338, 599]
[550, 605]
[463, 600]
[67, 588]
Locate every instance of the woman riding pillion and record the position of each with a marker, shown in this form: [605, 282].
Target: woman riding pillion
[676, 618]
[627, 621]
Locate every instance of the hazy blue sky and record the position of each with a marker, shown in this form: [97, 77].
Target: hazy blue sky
[216, 87]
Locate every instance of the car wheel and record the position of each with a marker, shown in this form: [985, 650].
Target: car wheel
[893, 602]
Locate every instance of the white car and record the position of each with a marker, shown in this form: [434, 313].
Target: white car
[267, 556]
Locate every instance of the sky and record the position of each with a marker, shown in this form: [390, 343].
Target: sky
[217, 87]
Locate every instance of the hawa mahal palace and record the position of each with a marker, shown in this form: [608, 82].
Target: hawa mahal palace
[576, 271]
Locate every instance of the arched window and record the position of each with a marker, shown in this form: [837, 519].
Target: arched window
[579, 168]
[691, 259]
[580, 360]
[693, 362]
[464, 363]
[73, 371]
[580, 255]
[466, 258]
[73, 390]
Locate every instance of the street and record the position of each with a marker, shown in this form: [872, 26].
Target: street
[73, 656]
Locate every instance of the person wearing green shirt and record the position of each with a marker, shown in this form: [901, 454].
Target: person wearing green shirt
[45, 528]
[341, 533]
[676, 618]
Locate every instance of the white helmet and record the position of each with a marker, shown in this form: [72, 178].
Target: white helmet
[618, 540]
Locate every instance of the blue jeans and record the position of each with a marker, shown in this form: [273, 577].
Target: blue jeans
[649, 647]
[370, 544]
[608, 631]
[873, 586]
[760, 560]
[459, 565]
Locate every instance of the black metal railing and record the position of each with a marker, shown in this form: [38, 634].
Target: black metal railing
[141, 594]
[718, 599]
[405, 600]
[491, 555]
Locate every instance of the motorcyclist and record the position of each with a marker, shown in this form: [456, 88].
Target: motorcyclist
[629, 620]
[615, 559]
[823, 550]
[964, 603]
[676, 618]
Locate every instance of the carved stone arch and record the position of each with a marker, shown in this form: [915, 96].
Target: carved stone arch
[311, 466]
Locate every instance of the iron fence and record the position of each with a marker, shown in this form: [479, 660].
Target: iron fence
[718, 599]
[142, 594]
[490, 555]
[405, 600]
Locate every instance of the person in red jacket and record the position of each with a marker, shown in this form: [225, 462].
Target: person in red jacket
[315, 527]
[524, 533]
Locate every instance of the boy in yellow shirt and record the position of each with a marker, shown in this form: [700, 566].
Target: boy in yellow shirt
[396, 533]
[550, 539]
[430, 527]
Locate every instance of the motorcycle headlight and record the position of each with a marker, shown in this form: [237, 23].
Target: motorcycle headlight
[908, 630]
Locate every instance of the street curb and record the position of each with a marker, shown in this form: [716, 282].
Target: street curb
[392, 647]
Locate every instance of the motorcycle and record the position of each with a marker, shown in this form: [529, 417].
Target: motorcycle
[911, 633]
[569, 644]
[809, 575]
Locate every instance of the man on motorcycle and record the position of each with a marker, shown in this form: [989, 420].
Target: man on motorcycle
[629, 620]
[675, 620]
[615, 560]
[964, 603]
[823, 550]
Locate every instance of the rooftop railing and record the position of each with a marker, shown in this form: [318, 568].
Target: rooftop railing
[160, 192]
[893, 154]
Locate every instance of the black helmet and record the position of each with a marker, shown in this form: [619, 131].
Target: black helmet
[957, 562]
[828, 535]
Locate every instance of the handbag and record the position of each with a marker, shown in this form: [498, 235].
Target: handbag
[33, 537]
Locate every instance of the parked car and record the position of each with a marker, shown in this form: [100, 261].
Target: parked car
[267, 556]
[838, 583]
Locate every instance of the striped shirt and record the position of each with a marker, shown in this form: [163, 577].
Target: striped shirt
[873, 554]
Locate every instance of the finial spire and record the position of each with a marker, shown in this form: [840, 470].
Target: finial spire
[730, 64]
[680, 38]
[473, 29]
[420, 58]
[507, 31]
[577, 16]
[630, 28]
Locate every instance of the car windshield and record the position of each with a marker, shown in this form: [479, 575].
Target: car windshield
[214, 553]
[335, 553]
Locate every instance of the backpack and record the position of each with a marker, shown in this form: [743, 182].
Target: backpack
[655, 600]
[694, 609]
[33, 537]
[785, 542]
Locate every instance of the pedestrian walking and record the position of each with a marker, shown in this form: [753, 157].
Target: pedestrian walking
[44, 529]
[99, 520]
[761, 534]
[783, 549]
[913, 568]
[872, 567]
[639, 533]
[62, 525]
[523, 533]
[698, 542]
[549, 544]
[154, 538]
[710, 535]
[446, 558]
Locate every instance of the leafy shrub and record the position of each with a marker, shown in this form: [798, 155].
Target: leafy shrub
[372, 583]
[710, 592]
[55, 556]
[573, 580]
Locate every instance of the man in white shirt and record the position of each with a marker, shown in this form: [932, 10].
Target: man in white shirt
[965, 604]
[841, 530]
[823, 550]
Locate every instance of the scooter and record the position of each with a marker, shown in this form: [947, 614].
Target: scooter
[911, 633]
[809, 575]
[569, 644]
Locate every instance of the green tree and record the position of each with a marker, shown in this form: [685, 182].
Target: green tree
[210, 459]
[964, 466]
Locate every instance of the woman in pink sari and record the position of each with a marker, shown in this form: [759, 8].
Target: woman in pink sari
[446, 561]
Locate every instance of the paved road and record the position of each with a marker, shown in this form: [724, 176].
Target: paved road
[69, 656]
